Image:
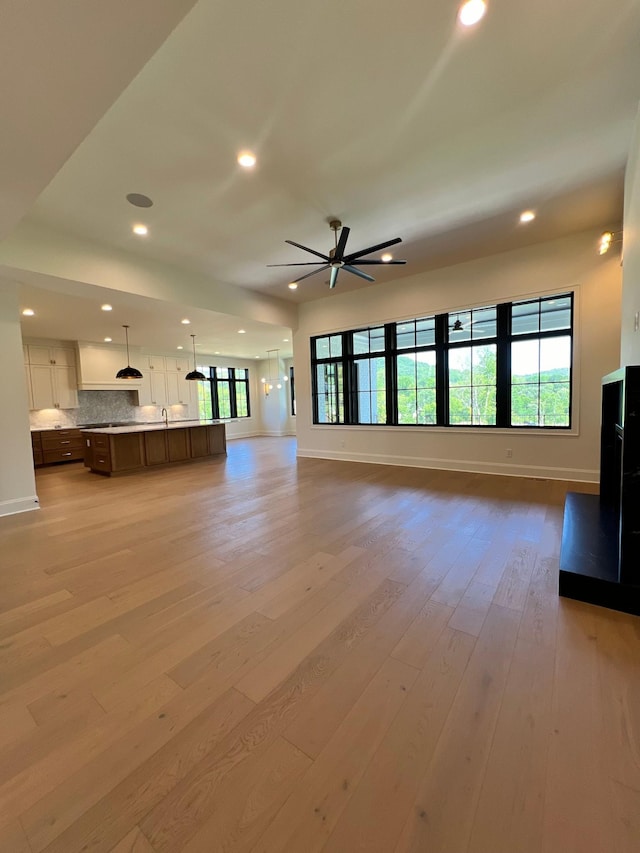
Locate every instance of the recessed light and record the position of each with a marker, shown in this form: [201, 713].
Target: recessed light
[108, 340]
[140, 229]
[106, 307]
[241, 332]
[28, 312]
[293, 285]
[179, 347]
[185, 322]
[246, 159]
[256, 356]
[471, 12]
[285, 340]
[386, 258]
[217, 352]
[527, 216]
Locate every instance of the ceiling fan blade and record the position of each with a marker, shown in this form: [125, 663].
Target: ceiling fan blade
[304, 264]
[368, 251]
[358, 272]
[383, 263]
[306, 249]
[313, 272]
[334, 276]
[342, 242]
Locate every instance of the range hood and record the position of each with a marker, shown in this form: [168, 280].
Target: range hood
[98, 365]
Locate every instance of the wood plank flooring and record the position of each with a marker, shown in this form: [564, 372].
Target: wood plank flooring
[262, 654]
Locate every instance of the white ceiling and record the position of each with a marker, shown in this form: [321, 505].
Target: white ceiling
[389, 117]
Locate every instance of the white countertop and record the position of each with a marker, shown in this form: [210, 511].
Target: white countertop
[150, 427]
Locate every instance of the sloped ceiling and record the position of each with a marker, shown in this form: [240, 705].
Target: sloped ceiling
[389, 117]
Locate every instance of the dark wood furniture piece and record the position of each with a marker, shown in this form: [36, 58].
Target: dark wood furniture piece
[117, 451]
[600, 556]
[56, 445]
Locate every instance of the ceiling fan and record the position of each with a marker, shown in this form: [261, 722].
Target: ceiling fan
[337, 260]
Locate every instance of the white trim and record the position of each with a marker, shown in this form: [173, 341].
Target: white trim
[252, 434]
[425, 429]
[17, 505]
[583, 475]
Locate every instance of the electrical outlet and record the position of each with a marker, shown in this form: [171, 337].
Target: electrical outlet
[342, 443]
[509, 453]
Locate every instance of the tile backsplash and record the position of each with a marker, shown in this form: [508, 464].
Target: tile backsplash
[101, 406]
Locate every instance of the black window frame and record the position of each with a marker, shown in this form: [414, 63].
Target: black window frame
[444, 343]
[232, 380]
[292, 391]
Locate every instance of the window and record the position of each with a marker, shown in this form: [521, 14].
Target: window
[225, 394]
[541, 362]
[472, 385]
[329, 394]
[506, 365]
[241, 387]
[415, 369]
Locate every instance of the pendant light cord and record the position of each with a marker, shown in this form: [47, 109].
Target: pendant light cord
[126, 335]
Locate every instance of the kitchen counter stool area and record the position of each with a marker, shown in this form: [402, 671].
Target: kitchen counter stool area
[118, 450]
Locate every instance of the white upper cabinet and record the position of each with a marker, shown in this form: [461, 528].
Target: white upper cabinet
[156, 362]
[52, 381]
[158, 388]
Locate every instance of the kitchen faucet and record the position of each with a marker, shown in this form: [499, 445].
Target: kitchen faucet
[164, 414]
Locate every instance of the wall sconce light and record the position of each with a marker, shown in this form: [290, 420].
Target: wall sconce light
[608, 239]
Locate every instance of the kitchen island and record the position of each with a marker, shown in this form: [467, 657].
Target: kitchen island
[118, 450]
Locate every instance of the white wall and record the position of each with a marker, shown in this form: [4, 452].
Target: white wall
[17, 480]
[275, 408]
[630, 338]
[561, 265]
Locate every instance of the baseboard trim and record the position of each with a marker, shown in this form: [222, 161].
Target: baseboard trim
[470, 466]
[13, 507]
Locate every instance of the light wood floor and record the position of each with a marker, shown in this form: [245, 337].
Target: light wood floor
[254, 654]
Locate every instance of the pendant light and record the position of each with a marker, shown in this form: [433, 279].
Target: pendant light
[195, 373]
[267, 382]
[128, 372]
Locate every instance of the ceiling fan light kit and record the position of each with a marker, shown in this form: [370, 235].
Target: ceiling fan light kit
[337, 260]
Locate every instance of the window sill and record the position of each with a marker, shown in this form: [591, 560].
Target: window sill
[455, 430]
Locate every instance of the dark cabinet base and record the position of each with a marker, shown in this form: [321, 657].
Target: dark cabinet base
[589, 556]
[120, 453]
[600, 556]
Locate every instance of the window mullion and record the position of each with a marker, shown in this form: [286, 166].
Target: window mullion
[215, 408]
[442, 371]
[503, 366]
[391, 372]
[232, 393]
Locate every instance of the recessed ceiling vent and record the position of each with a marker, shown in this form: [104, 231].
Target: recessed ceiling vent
[139, 200]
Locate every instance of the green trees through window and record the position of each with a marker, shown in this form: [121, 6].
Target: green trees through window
[225, 394]
[506, 365]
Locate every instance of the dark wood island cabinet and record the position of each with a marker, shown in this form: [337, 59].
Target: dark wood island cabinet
[56, 445]
[117, 450]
